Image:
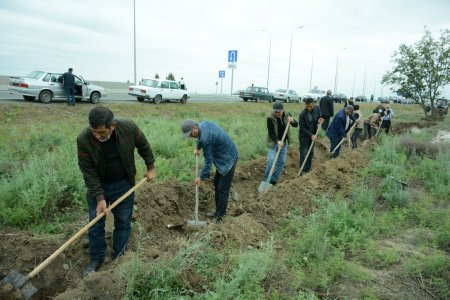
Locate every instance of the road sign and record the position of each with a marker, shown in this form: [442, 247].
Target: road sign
[232, 56]
[221, 74]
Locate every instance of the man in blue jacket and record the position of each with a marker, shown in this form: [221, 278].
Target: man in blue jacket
[339, 127]
[69, 85]
[218, 149]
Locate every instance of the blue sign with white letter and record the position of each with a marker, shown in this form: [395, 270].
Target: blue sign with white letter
[221, 74]
[232, 56]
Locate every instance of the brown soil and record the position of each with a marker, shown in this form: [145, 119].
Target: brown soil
[250, 219]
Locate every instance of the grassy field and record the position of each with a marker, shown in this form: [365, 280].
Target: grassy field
[401, 198]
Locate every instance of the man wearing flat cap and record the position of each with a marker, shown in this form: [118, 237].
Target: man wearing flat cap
[218, 149]
[276, 124]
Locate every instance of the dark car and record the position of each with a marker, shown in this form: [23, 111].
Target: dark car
[441, 106]
[257, 94]
[384, 100]
[360, 99]
[339, 97]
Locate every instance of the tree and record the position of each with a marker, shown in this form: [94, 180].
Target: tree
[156, 76]
[170, 76]
[421, 70]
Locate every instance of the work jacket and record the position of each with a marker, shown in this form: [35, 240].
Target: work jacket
[272, 138]
[308, 127]
[218, 148]
[92, 161]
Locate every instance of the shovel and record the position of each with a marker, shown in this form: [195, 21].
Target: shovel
[22, 282]
[266, 185]
[309, 150]
[196, 223]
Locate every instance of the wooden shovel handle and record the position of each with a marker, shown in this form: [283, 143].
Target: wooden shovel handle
[309, 150]
[83, 230]
[278, 152]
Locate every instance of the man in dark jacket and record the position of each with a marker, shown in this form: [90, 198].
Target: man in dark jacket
[326, 106]
[69, 85]
[218, 149]
[106, 159]
[309, 120]
[339, 127]
[276, 124]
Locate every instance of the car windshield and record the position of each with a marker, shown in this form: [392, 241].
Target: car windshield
[280, 91]
[313, 91]
[150, 82]
[252, 89]
[35, 74]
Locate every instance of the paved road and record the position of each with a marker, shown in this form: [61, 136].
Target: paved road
[5, 95]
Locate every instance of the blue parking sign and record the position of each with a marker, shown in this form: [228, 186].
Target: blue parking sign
[232, 55]
[221, 74]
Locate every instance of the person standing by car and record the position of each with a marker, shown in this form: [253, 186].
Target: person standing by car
[309, 119]
[338, 128]
[218, 149]
[69, 86]
[327, 109]
[276, 124]
[388, 114]
[106, 159]
[182, 84]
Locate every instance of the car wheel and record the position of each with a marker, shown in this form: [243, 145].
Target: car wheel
[245, 99]
[157, 99]
[29, 98]
[183, 99]
[140, 99]
[95, 97]
[45, 96]
[258, 99]
[298, 101]
[287, 100]
[271, 100]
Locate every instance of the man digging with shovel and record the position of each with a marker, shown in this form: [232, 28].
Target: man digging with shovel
[277, 122]
[309, 121]
[218, 149]
[338, 129]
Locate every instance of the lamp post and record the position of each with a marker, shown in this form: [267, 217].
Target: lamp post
[134, 31]
[312, 64]
[270, 47]
[337, 69]
[365, 73]
[290, 54]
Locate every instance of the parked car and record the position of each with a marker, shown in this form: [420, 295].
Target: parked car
[314, 93]
[383, 100]
[360, 99]
[339, 97]
[46, 87]
[157, 90]
[257, 94]
[286, 95]
[441, 106]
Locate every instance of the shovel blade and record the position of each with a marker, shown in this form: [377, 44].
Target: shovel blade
[196, 224]
[22, 282]
[264, 186]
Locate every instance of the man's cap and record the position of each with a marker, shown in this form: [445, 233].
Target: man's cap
[309, 99]
[187, 127]
[277, 107]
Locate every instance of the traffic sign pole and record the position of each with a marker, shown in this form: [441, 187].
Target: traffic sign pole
[221, 85]
[232, 73]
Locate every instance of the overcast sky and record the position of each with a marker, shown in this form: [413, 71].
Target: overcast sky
[191, 39]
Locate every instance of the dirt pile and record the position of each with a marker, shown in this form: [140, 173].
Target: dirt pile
[249, 221]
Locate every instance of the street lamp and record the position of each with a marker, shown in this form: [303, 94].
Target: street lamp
[337, 69]
[312, 64]
[270, 47]
[134, 21]
[290, 53]
[365, 73]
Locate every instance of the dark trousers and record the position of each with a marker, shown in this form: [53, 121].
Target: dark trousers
[305, 143]
[122, 221]
[386, 124]
[368, 131]
[334, 141]
[326, 123]
[355, 137]
[222, 185]
[70, 95]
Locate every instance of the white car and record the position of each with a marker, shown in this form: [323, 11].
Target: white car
[157, 90]
[314, 93]
[46, 86]
[286, 95]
